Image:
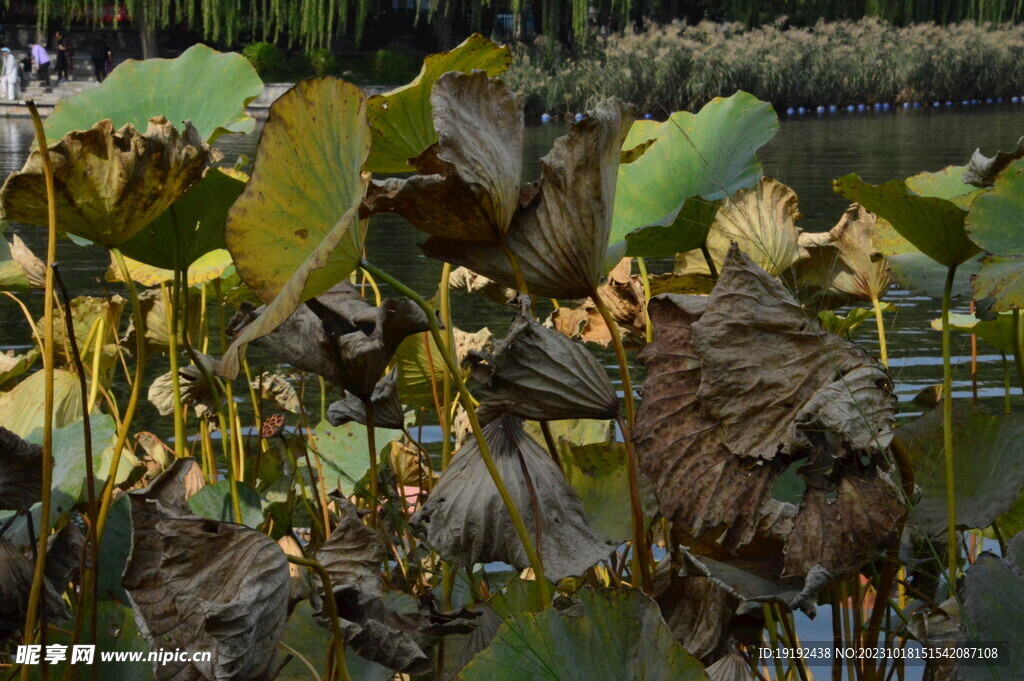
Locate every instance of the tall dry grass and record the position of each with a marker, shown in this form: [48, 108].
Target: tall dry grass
[676, 66]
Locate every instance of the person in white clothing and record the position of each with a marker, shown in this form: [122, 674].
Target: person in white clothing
[9, 75]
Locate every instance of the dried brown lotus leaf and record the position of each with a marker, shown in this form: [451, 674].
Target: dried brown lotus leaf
[764, 364]
[411, 466]
[21, 472]
[31, 265]
[199, 584]
[982, 170]
[713, 498]
[276, 389]
[697, 610]
[560, 233]
[468, 280]
[300, 587]
[538, 373]
[15, 583]
[109, 184]
[387, 408]
[470, 186]
[352, 555]
[623, 294]
[64, 555]
[155, 315]
[193, 388]
[731, 667]
[465, 519]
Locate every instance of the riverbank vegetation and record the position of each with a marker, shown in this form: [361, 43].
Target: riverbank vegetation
[678, 66]
[756, 471]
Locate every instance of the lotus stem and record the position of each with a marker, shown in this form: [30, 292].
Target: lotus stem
[645, 280]
[1006, 384]
[446, 320]
[474, 422]
[133, 398]
[336, 668]
[793, 642]
[517, 272]
[1018, 348]
[880, 323]
[256, 396]
[947, 429]
[974, 364]
[36, 590]
[549, 439]
[620, 354]
[97, 351]
[323, 399]
[371, 445]
[171, 304]
[773, 637]
[709, 260]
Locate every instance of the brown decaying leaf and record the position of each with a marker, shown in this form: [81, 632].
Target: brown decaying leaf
[465, 519]
[301, 584]
[21, 472]
[715, 459]
[275, 389]
[109, 184]
[155, 313]
[410, 466]
[466, 279]
[623, 294]
[559, 234]
[538, 373]
[64, 554]
[696, 610]
[199, 584]
[387, 408]
[982, 170]
[192, 386]
[469, 188]
[15, 582]
[31, 265]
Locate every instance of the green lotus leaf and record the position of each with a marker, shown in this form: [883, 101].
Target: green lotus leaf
[843, 326]
[191, 227]
[994, 223]
[999, 332]
[993, 610]
[401, 120]
[344, 452]
[988, 481]
[20, 269]
[608, 636]
[109, 183]
[687, 232]
[303, 634]
[709, 154]
[295, 232]
[13, 365]
[921, 274]
[21, 409]
[947, 183]
[935, 226]
[214, 501]
[209, 88]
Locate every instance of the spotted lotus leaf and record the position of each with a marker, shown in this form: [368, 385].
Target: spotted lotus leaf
[468, 186]
[559, 235]
[109, 183]
[465, 519]
[538, 373]
[200, 584]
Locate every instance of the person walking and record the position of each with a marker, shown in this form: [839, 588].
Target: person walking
[101, 55]
[42, 61]
[64, 55]
[10, 74]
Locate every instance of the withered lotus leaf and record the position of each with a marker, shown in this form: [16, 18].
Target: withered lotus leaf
[538, 373]
[194, 390]
[764, 363]
[109, 183]
[983, 170]
[387, 408]
[623, 294]
[715, 464]
[64, 554]
[559, 235]
[276, 389]
[469, 186]
[352, 556]
[468, 280]
[15, 582]
[21, 472]
[199, 584]
[465, 519]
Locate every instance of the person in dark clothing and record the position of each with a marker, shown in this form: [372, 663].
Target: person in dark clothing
[64, 55]
[101, 55]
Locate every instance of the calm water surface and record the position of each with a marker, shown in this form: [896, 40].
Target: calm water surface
[807, 154]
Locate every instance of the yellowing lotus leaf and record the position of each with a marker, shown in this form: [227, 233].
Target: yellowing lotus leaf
[109, 183]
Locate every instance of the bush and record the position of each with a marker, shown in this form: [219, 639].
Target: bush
[321, 61]
[676, 66]
[266, 58]
[392, 66]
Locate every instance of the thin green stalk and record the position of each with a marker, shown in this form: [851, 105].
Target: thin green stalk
[323, 399]
[36, 590]
[646, 281]
[446, 319]
[171, 303]
[1006, 384]
[947, 428]
[1018, 348]
[336, 668]
[880, 323]
[793, 642]
[467, 403]
[709, 260]
[371, 445]
[773, 638]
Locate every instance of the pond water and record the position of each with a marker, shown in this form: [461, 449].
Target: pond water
[807, 154]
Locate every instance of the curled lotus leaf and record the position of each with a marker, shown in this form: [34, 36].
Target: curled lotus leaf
[155, 309]
[607, 635]
[982, 170]
[538, 373]
[700, 469]
[762, 222]
[209, 88]
[193, 388]
[199, 584]
[771, 376]
[21, 481]
[623, 294]
[730, 667]
[401, 120]
[352, 556]
[301, 586]
[21, 408]
[64, 554]
[20, 268]
[15, 582]
[276, 389]
[13, 365]
[844, 261]
[109, 183]
[559, 236]
[465, 519]
[697, 610]
[387, 408]
[468, 186]
[468, 280]
[295, 231]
